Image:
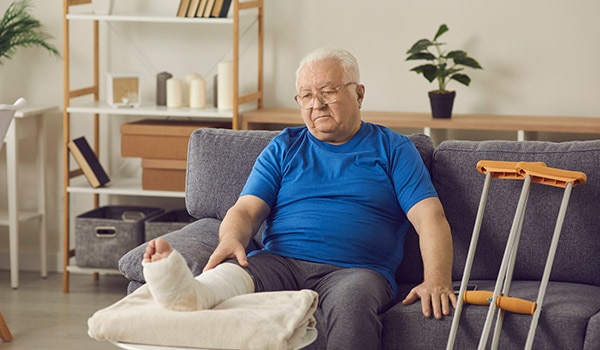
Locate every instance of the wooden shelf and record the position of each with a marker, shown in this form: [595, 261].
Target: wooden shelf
[120, 186]
[89, 270]
[150, 18]
[149, 109]
[289, 116]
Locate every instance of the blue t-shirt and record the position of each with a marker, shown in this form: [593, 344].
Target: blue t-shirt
[343, 204]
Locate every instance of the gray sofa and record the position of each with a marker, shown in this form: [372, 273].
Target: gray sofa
[219, 161]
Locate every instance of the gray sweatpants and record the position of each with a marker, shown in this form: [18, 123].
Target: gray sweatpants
[351, 300]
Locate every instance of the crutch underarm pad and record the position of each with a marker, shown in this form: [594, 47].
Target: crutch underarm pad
[499, 169]
[503, 170]
[516, 305]
[477, 297]
[551, 176]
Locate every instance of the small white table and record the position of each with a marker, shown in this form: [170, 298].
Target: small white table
[28, 123]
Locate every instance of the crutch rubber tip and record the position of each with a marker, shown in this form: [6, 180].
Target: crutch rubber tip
[516, 305]
[477, 297]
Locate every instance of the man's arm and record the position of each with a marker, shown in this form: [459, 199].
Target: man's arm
[435, 241]
[237, 228]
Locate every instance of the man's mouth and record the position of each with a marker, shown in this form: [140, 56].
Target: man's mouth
[321, 117]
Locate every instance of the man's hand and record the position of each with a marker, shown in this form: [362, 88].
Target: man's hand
[237, 228]
[433, 297]
[227, 248]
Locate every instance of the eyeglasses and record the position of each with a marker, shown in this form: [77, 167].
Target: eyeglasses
[326, 95]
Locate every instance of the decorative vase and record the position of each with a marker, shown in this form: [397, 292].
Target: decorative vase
[102, 7]
[441, 103]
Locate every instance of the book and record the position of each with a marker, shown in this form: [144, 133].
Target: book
[216, 8]
[88, 162]
[183, 7]
[208, 10]
[191, 12]
[225, 8]
[201, 7]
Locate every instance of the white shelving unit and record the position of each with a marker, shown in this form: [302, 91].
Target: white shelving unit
[74, 182]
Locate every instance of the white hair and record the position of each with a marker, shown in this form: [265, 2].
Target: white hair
[347, 60]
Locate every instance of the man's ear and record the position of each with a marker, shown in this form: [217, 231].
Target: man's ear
[360, 92]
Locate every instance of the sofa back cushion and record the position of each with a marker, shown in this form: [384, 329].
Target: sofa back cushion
[459, 186]
[219, 161]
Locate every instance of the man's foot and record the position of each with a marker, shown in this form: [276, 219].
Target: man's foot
[157, 249]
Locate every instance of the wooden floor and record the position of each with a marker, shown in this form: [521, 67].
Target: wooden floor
[41, 317]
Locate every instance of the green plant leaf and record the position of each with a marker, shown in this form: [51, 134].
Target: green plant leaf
[468, 61]
[456, 54]
[420, 45]
[19, 29]
[441, 30]
[421, 56]
[461, 78]
[429, 71]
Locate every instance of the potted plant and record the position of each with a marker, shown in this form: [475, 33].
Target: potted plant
[19, 29]
[444, 67]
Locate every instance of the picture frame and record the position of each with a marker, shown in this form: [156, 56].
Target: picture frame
[124, 89]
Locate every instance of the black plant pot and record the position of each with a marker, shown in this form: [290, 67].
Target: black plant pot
[441, 103]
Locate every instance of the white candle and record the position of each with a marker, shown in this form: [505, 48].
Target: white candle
[225, 86]
[197, 93]
[188, 92]
[174, 96]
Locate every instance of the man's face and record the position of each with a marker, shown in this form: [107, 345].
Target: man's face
[336, 122]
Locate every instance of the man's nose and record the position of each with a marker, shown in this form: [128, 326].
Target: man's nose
[317, 103]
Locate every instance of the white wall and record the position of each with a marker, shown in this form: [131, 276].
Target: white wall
[539, 58]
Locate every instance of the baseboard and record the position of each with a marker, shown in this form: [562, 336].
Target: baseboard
[30, 261]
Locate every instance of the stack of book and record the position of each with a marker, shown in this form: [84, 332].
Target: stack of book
[204, 8]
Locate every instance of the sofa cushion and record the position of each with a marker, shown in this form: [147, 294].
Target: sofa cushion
[219, 161]
[565, 318]
[459, 186]
[195, 242]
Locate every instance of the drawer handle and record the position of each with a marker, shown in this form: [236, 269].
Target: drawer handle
[106, 231]
[132, 216]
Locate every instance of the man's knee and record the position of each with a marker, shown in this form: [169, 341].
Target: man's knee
[357, 291]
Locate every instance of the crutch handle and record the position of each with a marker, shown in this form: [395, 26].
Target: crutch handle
[477, 297]
[551, 176]
[516, 305]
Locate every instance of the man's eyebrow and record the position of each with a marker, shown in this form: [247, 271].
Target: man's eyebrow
[327, 84]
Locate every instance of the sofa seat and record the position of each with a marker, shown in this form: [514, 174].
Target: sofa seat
[568, 309]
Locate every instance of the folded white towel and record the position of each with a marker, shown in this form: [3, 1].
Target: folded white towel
[262, 321]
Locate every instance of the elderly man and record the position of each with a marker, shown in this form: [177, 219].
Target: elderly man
[337, 196]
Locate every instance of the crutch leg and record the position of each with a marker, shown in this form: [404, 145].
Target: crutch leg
[505, 262]
[558, 178]
[508, 277]
[469, 261]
